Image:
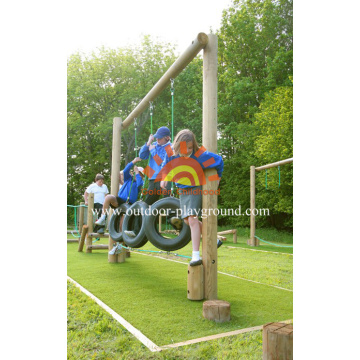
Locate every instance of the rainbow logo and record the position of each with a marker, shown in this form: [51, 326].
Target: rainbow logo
[183, 170]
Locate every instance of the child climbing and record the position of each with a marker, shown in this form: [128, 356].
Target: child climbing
[186, 146]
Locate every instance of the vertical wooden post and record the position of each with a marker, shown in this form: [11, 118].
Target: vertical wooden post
[81, 217]
[115, 169]
[160, 224]
[82, 238]
[277, 341]
[235, 236]
[252, 241]
[195, 290]
[209, 134]
[90, 221]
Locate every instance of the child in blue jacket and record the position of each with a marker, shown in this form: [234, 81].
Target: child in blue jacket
[129, 190]
[156, 151]
[186, 146]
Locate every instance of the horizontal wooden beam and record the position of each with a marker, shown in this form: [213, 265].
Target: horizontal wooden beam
[96, 235]
[268, 166]
[98, 247]
[175, 69]
[226, 232]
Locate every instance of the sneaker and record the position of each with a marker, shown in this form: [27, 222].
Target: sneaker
[219, 243]
[129, 233]
[195, 262]
[176, 222]
[118, 249]
[115, 249]
[101, 220]
[101, 230]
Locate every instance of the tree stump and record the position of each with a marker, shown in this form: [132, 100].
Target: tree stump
[277, 341]
[217, 310]
[195, 282]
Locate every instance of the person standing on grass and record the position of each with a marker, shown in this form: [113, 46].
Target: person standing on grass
[191, 196]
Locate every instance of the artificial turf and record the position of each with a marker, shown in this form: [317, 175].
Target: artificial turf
[150, 293]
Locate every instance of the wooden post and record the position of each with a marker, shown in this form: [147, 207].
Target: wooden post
[216, 310]
[90, 221]
[115, 169]
[160, 224]
[277, 341]
[82, 239]
[81, 217]
[235, 236]
[195, 290]
[209, 133]
[252, 241]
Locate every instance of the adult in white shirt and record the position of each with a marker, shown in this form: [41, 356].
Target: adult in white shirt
[100, 190]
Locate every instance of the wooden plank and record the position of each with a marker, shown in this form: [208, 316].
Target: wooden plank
[217, 336]
[137, 333]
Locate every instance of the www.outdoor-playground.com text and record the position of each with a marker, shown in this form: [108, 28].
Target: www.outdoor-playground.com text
[204, 213]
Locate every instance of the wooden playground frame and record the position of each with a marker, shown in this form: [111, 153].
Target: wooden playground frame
[253, 241]
[209, 45]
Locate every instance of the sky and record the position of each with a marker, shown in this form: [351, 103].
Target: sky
[120, 23]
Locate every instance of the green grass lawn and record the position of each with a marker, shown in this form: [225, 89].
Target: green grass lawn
[150, 293]
[94, 334]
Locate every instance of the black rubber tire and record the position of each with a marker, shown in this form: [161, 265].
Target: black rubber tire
[114, 222]
[157, 239]
[140, 239]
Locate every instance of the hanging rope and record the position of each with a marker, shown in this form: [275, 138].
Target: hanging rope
[136, 149]
[286, 246]
[265, 178]
[279, 174]
[151, 115]
[172, 89]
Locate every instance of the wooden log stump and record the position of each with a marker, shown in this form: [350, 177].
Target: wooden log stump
[217, 310]
[195, 282]
[82, 239]
[277, 341]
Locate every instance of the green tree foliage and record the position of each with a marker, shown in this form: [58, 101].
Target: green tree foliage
[274, 124]
[104, 85]
[254, 105]
[255, 57]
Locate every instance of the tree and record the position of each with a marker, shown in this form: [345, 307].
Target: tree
[255, 57]
[107, 84]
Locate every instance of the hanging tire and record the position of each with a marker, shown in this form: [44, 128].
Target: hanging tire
[153, 234]
[115, 222]
[140, 239]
